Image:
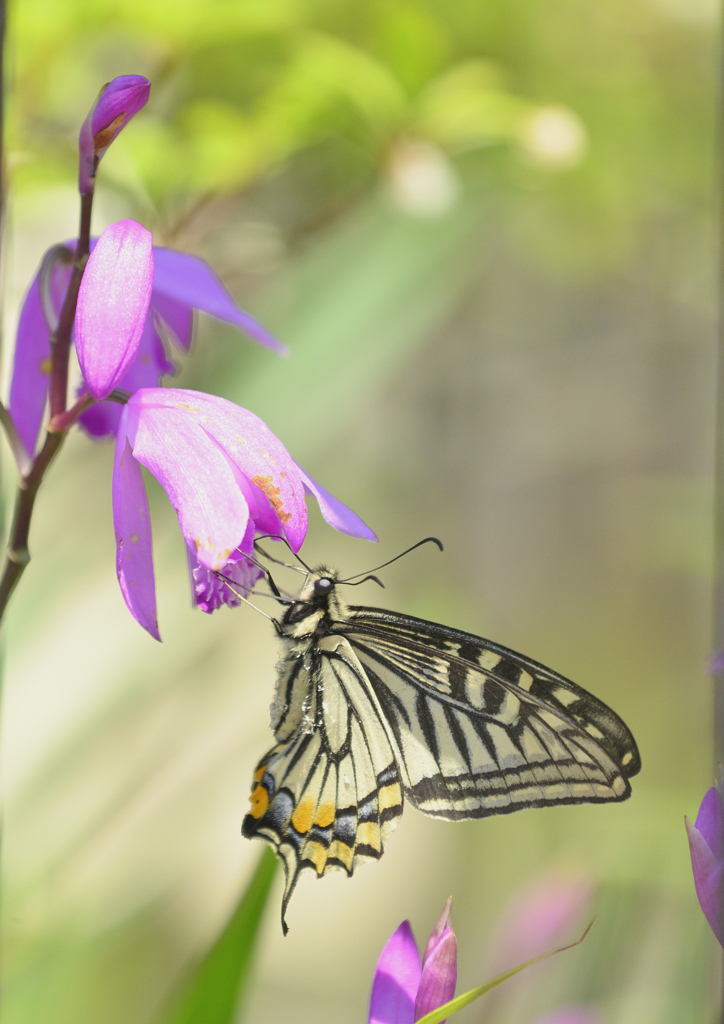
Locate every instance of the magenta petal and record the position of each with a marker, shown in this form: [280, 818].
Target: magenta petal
[190, 280]
[396, 980]
[112, 305]
[31, 366]
[134, 557]
[710, 821]
[439, 974]
[194, 472]
[444, 921]
[708, 872]
[177, 317]
[29, 387]
[250, 445]
[150, 365]
[335, 513]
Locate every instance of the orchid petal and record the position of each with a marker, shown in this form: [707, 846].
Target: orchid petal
[190, 280]
[31, 367]
[193, 471]
[710, 821]
[177, 317]
[116, 104]
[150, 364]
[134, 557]
[250, 445]
[708, 872]
[439, 975]
[396, 980]
[112, 305]
[444, 921]
[334, 512]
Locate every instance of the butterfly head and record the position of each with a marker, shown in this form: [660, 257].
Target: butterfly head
[318, 604]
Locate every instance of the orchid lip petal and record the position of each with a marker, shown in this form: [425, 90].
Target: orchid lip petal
[134, 558]
[112, 305]
[190, 280]
[396, 980]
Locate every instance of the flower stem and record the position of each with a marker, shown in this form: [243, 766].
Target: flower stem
[20, 452]
[60, 339]
[18, 552]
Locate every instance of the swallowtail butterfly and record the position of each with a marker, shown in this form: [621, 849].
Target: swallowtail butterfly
[373, 707]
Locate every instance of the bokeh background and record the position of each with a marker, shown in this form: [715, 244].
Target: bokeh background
[485, 230]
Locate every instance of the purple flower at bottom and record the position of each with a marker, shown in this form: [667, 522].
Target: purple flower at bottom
[227, 477]
[402, 990]
[706, 845]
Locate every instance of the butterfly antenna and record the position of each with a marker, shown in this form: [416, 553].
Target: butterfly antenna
[287, 565]
[427, 540]
[370, 577]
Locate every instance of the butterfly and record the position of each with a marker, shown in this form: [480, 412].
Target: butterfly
[374, 707]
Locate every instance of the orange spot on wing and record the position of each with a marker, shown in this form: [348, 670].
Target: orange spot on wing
[302, 817]
[325, 815]
[259, 800]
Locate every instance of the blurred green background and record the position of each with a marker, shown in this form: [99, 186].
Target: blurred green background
[486, 232]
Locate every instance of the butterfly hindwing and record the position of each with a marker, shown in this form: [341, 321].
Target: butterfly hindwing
[329, 795]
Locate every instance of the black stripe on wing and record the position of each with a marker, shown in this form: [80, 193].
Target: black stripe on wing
[479, 745]
[555, 690]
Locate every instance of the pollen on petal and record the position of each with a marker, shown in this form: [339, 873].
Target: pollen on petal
[266, 484]
[134, 538]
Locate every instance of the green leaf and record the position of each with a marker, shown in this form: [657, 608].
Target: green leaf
[213, 991]
[447, 1009]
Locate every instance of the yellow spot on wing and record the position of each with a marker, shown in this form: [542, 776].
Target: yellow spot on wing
[259, 800]
[341, 852]
[302, 817]
[259, 773]
[369, 834]
[325, 815]
[317, 854]
[389, 796]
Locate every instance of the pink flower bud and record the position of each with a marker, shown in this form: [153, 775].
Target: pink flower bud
[116, 104]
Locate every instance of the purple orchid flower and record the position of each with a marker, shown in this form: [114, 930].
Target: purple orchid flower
[113, 301]
[181, 283]
[116, 104]
[402, 990]
[706, 845]
[226, 475]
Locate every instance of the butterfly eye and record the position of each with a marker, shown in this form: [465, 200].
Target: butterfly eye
[322, 586]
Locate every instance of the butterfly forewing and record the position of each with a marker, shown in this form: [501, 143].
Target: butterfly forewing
[371, 705]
